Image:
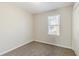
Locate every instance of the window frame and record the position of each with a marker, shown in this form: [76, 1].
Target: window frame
[55, 25]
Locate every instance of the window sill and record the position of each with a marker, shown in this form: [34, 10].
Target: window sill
[53, 35]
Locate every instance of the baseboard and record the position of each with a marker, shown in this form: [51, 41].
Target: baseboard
[15, 47]
[30, 42]
[55, 44]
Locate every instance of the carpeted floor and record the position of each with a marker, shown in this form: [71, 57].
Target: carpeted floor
[40, 49]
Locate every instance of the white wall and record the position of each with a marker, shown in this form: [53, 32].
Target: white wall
[75, 27]
[41, 27]
[15, 27]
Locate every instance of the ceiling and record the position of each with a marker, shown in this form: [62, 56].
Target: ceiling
[39, 7]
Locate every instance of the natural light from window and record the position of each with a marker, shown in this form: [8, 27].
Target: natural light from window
[53, 25]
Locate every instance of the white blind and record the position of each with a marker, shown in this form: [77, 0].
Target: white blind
[53, 25]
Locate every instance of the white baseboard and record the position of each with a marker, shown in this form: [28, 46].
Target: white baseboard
[29, 42]
[55, 44]
[15, 47]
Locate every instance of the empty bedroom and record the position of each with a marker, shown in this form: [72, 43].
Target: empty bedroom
[39, 28]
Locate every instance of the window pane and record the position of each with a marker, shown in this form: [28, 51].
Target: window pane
[53, 30]
[54, 20]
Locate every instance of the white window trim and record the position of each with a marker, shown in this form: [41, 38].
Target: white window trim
[55, 25]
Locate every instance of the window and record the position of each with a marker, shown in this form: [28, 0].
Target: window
[53, 25]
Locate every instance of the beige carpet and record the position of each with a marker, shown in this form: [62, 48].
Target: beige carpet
[40, 49]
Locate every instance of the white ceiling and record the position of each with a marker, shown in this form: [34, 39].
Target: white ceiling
[39, 7]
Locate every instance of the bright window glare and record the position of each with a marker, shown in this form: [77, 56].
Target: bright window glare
[53, 25]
